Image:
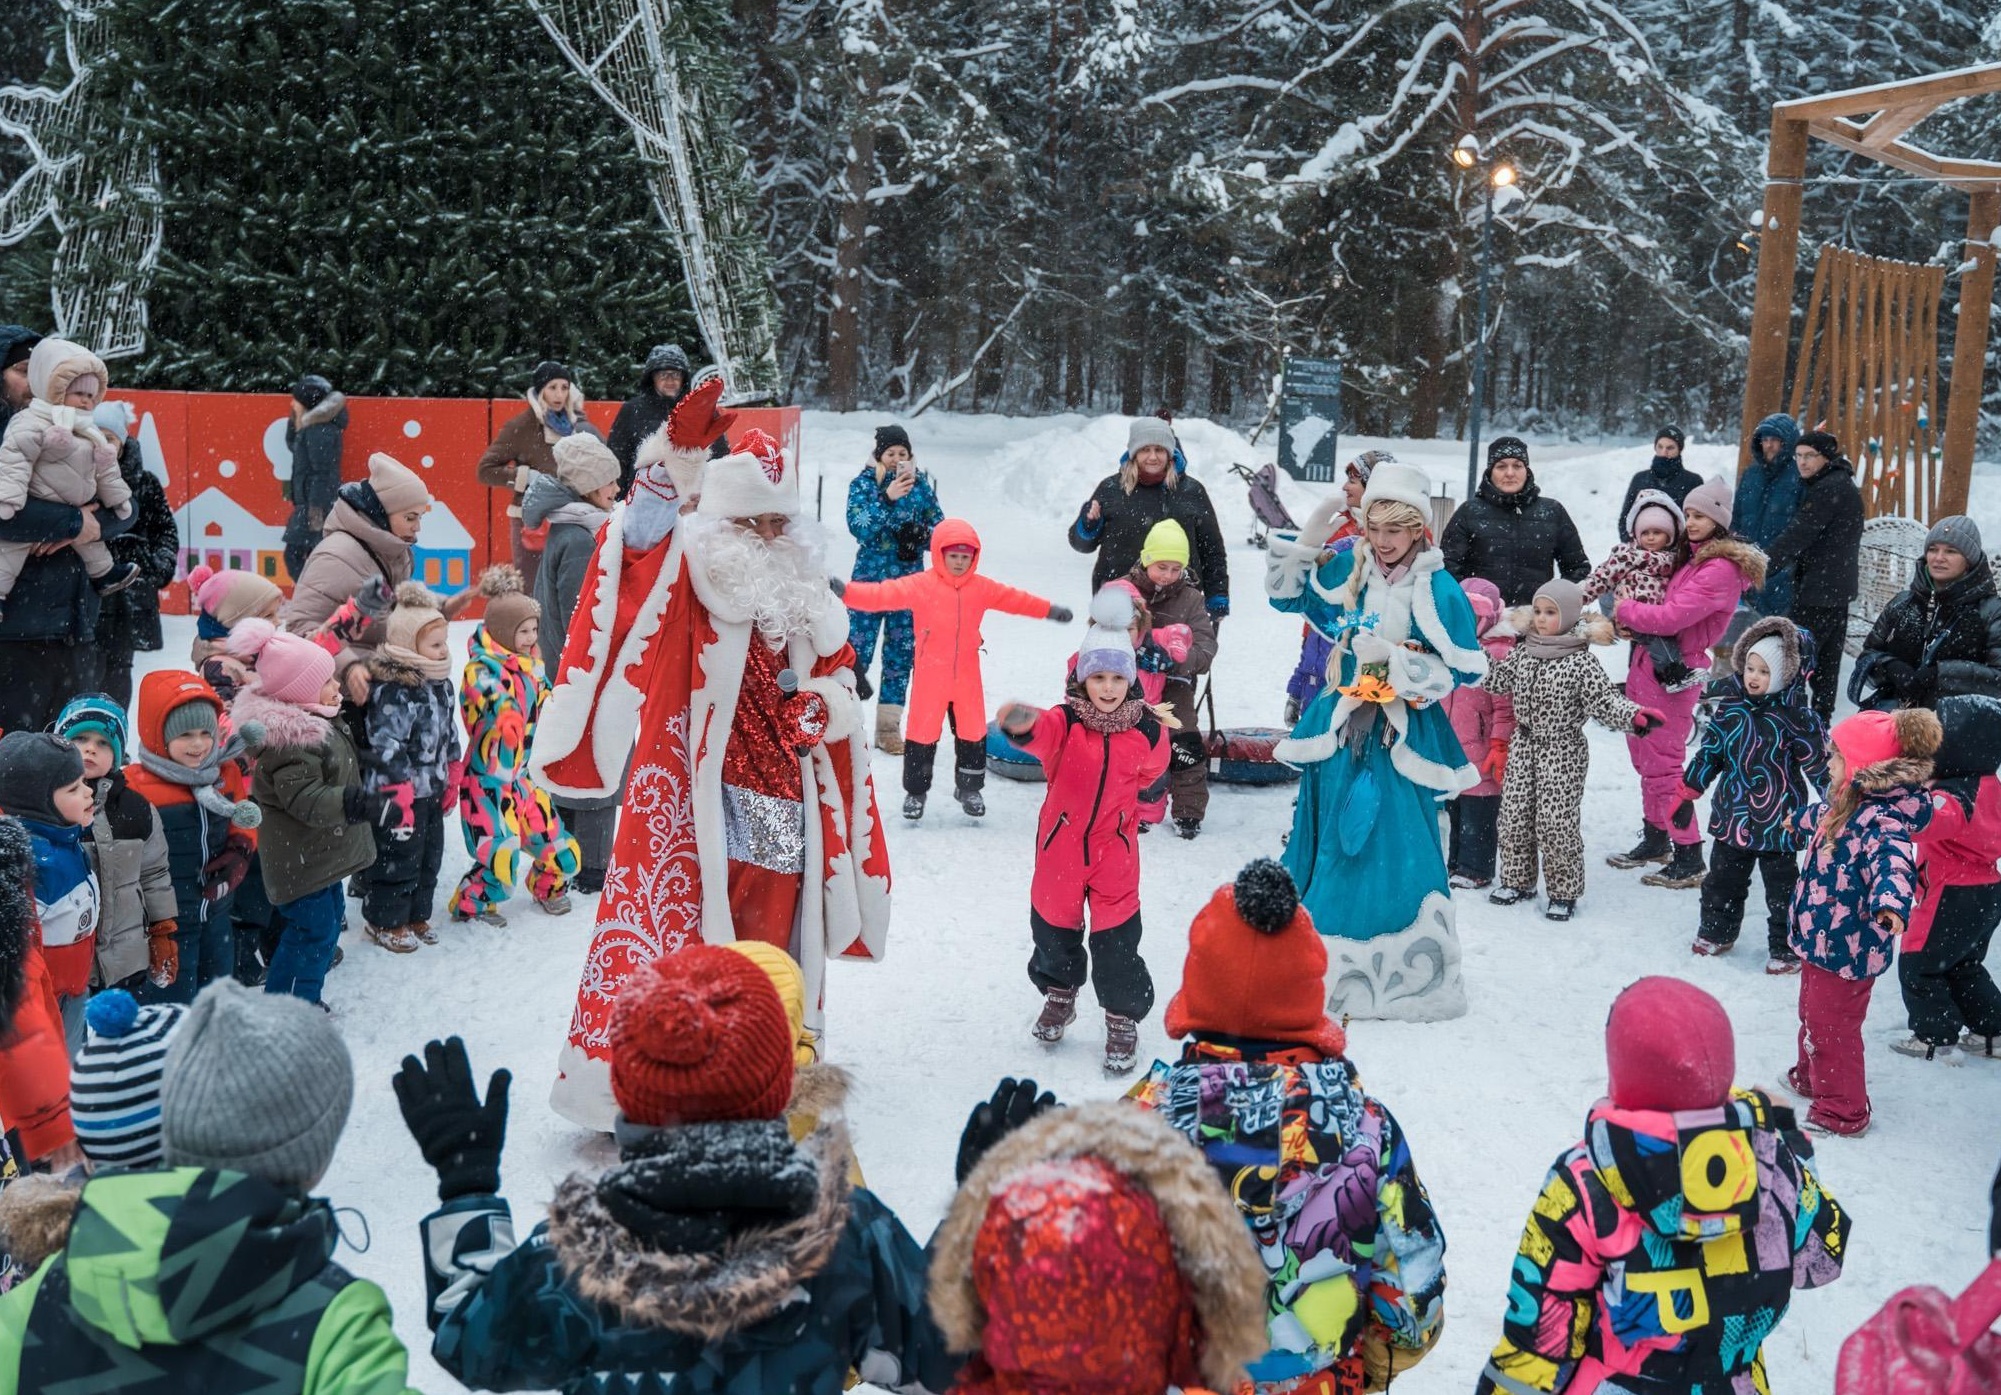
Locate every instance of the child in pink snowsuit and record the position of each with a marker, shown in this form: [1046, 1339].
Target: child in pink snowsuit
[1484, 722]
[1156, 649]
[1701, 597]
[1099, 748]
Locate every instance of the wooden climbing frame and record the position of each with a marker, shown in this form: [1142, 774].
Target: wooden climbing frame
[1868, 361]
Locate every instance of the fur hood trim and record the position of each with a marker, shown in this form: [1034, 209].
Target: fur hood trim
[391, 669]
[332, 405]
[1772, 626]
[1886, 775]
[270, 725]
[819, 1091]
[709, 1296]
[1211, 1245]
[1748, 560]
[35, 1216]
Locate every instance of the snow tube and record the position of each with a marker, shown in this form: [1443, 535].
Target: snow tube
[1008, 760]
[1243, 756]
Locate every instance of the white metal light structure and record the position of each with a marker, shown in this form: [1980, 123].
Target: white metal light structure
[695, 169]
[98, 184]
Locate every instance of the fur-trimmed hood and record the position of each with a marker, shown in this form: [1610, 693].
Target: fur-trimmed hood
[705, 1294]
[267, 724]
[1748, 560]
[35, 1216]
[387, 668]
[1212, 1248]
[1885, 776]
[1771, 627]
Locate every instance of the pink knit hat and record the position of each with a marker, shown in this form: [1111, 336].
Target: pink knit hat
[231, 595]
[1866, 738]
[293, 669]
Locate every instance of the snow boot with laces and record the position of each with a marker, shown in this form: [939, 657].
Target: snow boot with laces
[1945, 1053]
[1652, 847]
[1059, 1010]
[1121, 1044]
[397, 940]
[1684, 870]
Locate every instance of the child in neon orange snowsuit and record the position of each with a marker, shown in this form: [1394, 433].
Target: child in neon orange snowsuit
[947, 601]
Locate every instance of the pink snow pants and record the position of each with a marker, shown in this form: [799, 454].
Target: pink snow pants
[1660, 755]
[1830, 1047]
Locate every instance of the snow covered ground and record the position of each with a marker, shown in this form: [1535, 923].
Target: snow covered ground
[1488, 1101]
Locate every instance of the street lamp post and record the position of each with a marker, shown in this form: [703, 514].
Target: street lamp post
[1493, 175]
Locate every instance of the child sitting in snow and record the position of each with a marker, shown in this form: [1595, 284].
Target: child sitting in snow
[1942, 962]
[53, 450]
[948, 601]
[505, 816]
[1099, 748]
[413, 741]
[1557, 685]
[1156, 650]
[128, 851]
[1666, 1246]
[1484, 722]
[1639, 571]
[1766, 752]
[1859, 886]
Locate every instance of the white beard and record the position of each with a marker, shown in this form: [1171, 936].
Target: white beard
[779, 586]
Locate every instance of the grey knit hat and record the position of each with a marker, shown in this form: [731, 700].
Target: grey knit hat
[196, 714]
[1149, 431]
[33, 766]
[1959, 533]
[258, 1083]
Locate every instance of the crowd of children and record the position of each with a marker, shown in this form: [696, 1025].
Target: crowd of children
[316, 748]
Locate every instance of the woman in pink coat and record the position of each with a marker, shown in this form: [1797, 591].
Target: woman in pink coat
[947, 601]
[1701, 597]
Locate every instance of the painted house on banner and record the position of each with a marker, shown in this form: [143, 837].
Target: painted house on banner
[219, 532]
[442, 558]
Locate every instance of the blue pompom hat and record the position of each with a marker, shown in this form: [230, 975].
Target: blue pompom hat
[115, 1079]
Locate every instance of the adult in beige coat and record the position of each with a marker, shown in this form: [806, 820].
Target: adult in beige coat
[526, 447]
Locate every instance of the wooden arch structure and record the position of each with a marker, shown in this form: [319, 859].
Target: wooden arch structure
[1873, 387]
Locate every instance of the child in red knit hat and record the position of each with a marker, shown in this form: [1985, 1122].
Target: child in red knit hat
[718, 1255]
[1264, 1090]
[1665, 1247]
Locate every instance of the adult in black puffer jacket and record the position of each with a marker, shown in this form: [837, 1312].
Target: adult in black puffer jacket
[1509, 533]
[1152, 483]
[662, 380]
[1941, 636]
[129, 622]
[1821, 550]
[1665, 473]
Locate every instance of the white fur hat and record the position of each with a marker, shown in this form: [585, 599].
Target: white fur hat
[1404, 483]
[755, 478]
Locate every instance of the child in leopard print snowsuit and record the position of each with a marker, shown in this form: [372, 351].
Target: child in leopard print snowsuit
[1557, 684]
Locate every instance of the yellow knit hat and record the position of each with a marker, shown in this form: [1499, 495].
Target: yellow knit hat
[785, 976]
[1166, 541]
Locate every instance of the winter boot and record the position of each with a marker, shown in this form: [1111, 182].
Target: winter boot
[1979, 1046]
[121, 575]
[913, 807]
[1560, 910]
[1945, 1053]
[423, 931]
[1652, 847]
[974, 803]
[863, 688]
[1709, 948]
[1508, 896]
[559, 904]
[489, 916]
[1462, 881]
[398, 940]
[1059, 1010]
[1121, 1044]
[968, 780]
[1684, 869]
[1782, 964]
[889, 729]
[1188, 828]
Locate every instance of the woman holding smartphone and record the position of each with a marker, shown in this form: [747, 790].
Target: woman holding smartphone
[892, 508]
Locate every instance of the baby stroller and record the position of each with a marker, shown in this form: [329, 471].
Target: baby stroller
[1265, 505]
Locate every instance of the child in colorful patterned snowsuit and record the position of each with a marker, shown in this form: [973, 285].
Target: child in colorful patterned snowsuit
[1666, 1245]
[1099, 748]
[1859, 886]
[1156, 650]
[1484, 722]
[948, 602]
[1942, 962]
[1318, 1169]
[1639, 571]
[413, 740]
[1766, 753]
[505, 816]
[1557, 684]
[892, 508]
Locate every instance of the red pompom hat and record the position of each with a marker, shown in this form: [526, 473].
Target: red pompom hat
[1256, 967]
[1668, 1045]
[700, 1036]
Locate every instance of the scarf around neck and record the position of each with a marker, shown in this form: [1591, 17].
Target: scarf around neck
[410, 658]
[1124, 717]
[203, 779]
[68, 419]
[1540, 646]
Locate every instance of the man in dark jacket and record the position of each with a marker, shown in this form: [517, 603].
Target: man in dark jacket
[129, 622]
[1509, 533]
[1152, 483]
[314, 436]
[1665, 473]
[1941, 636]
[661, 382]
[1822, 551]
[48, 635]
[16, 343]
[1768, 493]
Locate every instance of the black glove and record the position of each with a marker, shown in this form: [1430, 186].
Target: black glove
[458, 1135]
[837, 586]
[1013, 1104]
[1062, 614]
[391, 808]
[1922, 689]
[1892, 676]
[1684, 814]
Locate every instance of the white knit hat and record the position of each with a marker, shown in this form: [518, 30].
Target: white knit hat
[1108, 644]
[1394, 480]
[755, 478]
[1772, 650]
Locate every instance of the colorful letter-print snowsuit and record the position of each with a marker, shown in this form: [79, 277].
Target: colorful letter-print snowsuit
[1663, 1251]
[505, 815]
[1322, 1175]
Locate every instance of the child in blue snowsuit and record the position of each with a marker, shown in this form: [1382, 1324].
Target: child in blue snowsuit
[892, 508]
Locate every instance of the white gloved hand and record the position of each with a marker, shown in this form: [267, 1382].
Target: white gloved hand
[1321, 523]
[653, 509]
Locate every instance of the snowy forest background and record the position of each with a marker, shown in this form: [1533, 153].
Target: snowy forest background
[1017, 205]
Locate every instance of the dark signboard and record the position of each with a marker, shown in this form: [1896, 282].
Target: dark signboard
[1309, 418]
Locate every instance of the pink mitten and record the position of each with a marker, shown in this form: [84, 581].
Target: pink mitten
[1175, 640]
[103, 454]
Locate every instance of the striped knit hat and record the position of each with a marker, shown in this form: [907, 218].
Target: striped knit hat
[115, 1079]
